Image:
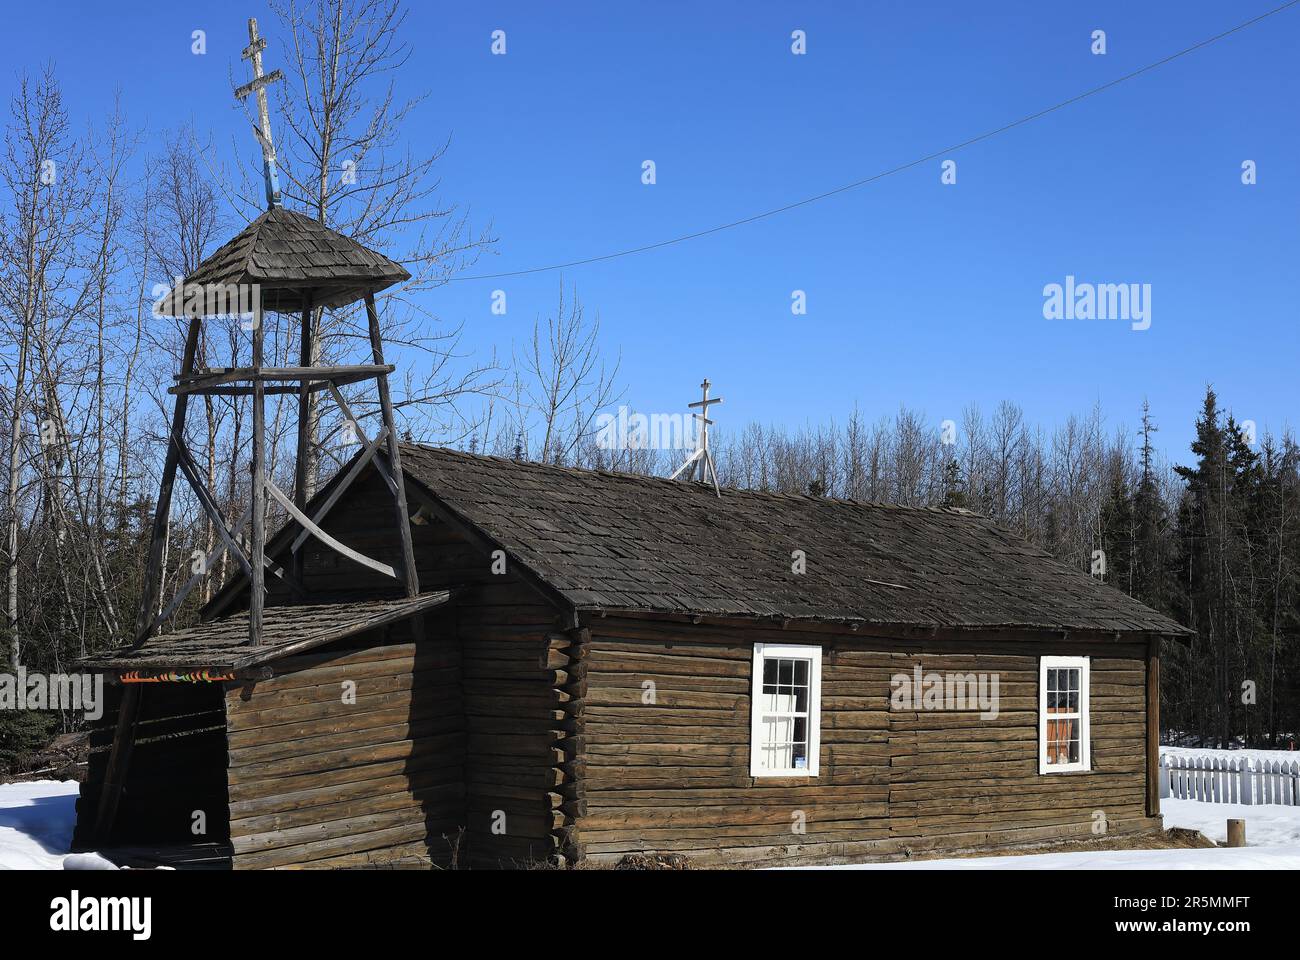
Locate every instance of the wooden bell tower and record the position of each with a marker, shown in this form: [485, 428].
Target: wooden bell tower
[282, 262]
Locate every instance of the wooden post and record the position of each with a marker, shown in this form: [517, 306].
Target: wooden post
[1236, 833]
[119, 757]
[257, 588]
[163, 508]
[1153, 727]
[304, 431]
[394, 456]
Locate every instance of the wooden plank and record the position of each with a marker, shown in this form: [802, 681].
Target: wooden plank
[162, 509]
[304, 426]
[1153, 729]
[204, 381]
[210, 507]
[403, 516]
[351, 417]
[353, 472]
[335, 545]
[257, 579]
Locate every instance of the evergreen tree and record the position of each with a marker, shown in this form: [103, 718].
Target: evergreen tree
[1201, 673]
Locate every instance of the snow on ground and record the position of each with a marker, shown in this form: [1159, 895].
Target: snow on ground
[1240, 858]
[1272, 843]
[36, 821]
[1267, 824]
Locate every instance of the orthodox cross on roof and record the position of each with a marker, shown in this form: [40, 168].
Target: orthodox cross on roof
[701, 457]
[258, 85]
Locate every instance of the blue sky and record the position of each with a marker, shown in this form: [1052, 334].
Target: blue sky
[918, 293]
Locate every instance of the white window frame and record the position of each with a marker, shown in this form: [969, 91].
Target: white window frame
[765, 651]
[1084, 762]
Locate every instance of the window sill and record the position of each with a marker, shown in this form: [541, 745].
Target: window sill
[791, 778]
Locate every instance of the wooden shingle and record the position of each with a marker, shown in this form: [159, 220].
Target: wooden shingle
[287, 254]
[222, 645]
[613, 541]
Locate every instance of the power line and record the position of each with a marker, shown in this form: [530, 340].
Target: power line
[898, 169]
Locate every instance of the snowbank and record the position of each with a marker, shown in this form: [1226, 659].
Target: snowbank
[1267, 825]
[1240, 858]
[36, 821]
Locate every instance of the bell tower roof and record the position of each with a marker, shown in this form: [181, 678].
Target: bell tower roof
[289, 256]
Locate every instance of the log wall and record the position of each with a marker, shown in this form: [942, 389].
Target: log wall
[506, 694]
[350, 757]
[670, 773]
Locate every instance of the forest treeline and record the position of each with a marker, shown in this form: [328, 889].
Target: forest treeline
[93, 217]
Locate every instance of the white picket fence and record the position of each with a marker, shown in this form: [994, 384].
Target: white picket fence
[1224, 780]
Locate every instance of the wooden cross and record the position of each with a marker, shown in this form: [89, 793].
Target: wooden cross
[701, 456]
[258, 85]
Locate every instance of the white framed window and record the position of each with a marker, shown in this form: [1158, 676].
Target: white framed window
[785, 705]
[1063, 738]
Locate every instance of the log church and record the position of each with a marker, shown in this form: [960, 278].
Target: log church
[600, 664]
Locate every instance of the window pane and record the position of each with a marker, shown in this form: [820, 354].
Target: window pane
[769, 672]
[801, 699]
[786, 671]
[1063, 741]
[801, 672]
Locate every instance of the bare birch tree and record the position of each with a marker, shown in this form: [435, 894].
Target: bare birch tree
[346, 159]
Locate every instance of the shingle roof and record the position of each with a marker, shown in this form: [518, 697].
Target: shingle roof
[287, 253]
[616, 541]
[222, 645]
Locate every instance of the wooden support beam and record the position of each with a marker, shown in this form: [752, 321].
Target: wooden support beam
[247, 390]
[190, 470]
[119, 759]
[403, 517]
[304, 429]
[336, 494]
[216, 380]
[163, 508]
[280, 497]
[304, 371]
[1153, 727]
[356, 425]
[257, 581]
